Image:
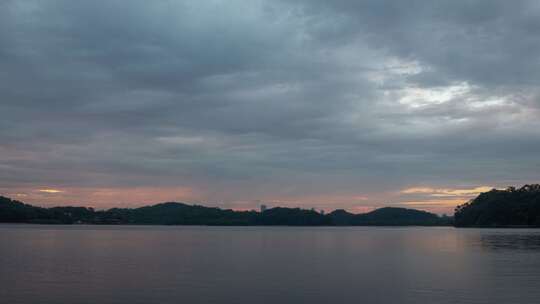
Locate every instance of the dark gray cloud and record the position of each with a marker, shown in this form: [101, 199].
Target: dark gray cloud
[289, 100]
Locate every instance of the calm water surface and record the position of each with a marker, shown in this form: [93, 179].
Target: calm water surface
[139, 264]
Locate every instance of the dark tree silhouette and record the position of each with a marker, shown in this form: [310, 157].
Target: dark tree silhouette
[501, 208]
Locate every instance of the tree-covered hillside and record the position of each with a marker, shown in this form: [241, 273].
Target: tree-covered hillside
[501, 208]
[389, 216]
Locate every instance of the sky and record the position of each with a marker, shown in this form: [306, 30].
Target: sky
[311, 103]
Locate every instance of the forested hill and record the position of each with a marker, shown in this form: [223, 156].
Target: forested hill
[389, 216]
[502, 208]
[12, 211]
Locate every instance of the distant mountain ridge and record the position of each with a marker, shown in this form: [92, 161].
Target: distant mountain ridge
[496, 208]
[172, 213]
[388, 216]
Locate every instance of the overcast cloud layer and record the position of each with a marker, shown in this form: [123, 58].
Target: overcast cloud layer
[326, 104]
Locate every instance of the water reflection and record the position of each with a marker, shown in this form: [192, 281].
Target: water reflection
[503, 240]
[519, 240]
[135, 264]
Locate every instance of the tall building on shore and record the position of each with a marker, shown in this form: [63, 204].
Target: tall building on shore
[263, 208]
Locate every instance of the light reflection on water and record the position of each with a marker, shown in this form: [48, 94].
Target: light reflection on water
[510, 240]
[147, 264]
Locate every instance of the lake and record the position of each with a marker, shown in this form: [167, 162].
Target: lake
[183, 264]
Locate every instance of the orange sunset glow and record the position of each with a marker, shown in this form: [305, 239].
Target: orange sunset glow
[438, 200]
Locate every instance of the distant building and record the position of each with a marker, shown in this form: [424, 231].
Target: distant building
[263, 208]
[322, 212]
